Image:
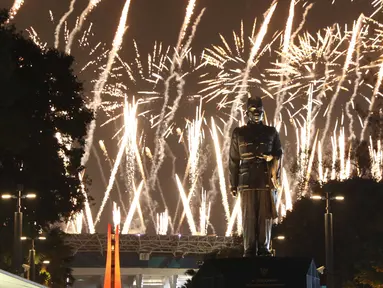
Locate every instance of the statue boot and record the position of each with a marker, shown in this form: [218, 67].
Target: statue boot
[264, 242]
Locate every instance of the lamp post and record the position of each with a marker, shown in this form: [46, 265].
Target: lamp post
[17, 232]
[32, 256]
[329, 236]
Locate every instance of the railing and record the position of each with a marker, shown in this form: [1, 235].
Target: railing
[173, 244]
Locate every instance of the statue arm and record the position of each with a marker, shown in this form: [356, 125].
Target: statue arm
[277, 153]
[234, 160]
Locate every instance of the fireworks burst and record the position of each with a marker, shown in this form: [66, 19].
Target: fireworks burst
[165, 97]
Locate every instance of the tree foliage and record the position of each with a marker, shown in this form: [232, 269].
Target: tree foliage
[43, 123]
[41, 99]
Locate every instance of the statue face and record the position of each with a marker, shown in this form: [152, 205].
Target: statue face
[255, 114]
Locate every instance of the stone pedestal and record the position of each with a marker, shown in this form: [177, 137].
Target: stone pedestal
[270, 272]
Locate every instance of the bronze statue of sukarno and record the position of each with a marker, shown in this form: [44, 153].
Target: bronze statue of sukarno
[254, 166]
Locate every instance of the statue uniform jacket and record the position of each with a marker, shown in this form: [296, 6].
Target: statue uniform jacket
[248, 170]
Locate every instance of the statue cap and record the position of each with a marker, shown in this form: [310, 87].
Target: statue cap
[254, 102]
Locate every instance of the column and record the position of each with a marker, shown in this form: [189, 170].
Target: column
[173, 281]
[139, 281]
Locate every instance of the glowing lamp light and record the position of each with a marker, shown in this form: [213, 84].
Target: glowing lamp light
[339, 198]
[30, 196]
[23, 238]
[280, 237]
[316, 197]
[42, 238]
[6, 196]
[46, 262]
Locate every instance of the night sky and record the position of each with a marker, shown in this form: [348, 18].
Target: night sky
[160, 20]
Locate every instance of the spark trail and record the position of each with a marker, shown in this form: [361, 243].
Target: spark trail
[15, 8]
[133, 206]
[164, 121]
[92, 4]
[359, 75]
[350, 52]
[127, 112]
[285, 50]
[61, 22]
[234, 215]
[88, 211]
[188, 213]
[222, 182]
[374, 96]
[100, 84]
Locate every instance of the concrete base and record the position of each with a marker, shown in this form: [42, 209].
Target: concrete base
[270, 272]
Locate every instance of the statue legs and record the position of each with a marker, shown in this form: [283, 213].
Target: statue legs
[257, 222]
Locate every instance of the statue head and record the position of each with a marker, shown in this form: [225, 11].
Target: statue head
[255, 110]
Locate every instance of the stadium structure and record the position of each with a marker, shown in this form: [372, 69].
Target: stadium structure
[145, 261]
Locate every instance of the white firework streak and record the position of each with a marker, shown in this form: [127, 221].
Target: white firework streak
[15, 8]
[132, 208]
[287, 190]
[116, 215]
[204, 212]
[236, 211]
[92, 4]
[378, 4]
[105, 152]
[350, 52]
[239, 220]
[99, 86]
[300, 27]
[285, 50]
[189, 215]
[191, 192]
[74, 225]
[194, 142]
[356, 86]
[334, 156]
[78, 222]
[320, 164]
[162, 223]
[178, 57]
[88, 211]
[376, 160]
[221, 173]
[128, 117]
[374, 96]
[310, 165]
[185, 25]
[61, 22]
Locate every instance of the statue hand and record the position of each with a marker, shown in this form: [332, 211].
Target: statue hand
[268, 158]
[275, 182]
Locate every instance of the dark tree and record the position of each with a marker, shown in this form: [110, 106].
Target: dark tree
[358, 232]
[40, 99]
[43, 123]
[188, 283]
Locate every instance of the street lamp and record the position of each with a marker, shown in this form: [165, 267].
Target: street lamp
[32, 256]
[279, 238]
[17, 260]
[329, 236]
